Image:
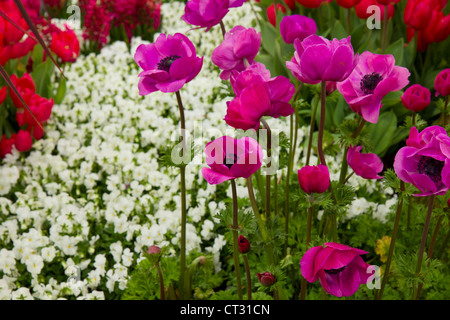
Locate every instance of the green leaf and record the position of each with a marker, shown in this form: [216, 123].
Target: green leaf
[61, 91]
[338, 31]
[42, 78]
[269, 37]
[381, 134]
[397, 49]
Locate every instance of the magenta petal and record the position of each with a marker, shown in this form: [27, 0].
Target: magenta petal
[307, 263]
[147, 56]
[341, 64]
[185, 68]
[423, 182]
[173, 86]
[350, 279]
[313, 69]
[255, 101]
[371, 112]
[213, 177]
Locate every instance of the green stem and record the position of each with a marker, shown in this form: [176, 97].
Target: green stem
[413, 118]
[322, 123]
[384, 32]
[445, 111]
[249, 278]
[423, 241]
[344, 165]
[349, 20]
[183, 200]
[308, 242]
[161, 282]
[222, 27]
[235, 239]
[392, 244]
[268, 176]
[431, 248]
[311, 130]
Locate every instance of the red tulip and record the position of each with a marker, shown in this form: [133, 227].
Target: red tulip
[347, 3]
[6, 145]
[312, 3]
[418, 13]
[25, 86]
[3, 94]
[272, 15]
[361, 9]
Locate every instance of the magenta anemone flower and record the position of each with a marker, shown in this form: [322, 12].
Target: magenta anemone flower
[238, 50]
[230, 158]
[168, 64]
[374, 76]
[365, 165]
[205, 13]
[416, 98]
[442, 83]
[314, 179]
[258, 95]
[425, 161]
[337, 59]
[339, 268]
[297, 27]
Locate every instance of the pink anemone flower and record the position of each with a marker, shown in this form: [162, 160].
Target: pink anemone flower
[230, 158]
[339, 268]
[365, 165]
[374, 76]
[168, 64]
[425, 161]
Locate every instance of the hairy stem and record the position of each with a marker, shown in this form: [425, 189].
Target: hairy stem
[183, 199]
[423, 241]
[235, 239]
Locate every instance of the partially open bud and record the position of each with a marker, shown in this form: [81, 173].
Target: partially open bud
[154, 249]
[266, 278]
[244, 244]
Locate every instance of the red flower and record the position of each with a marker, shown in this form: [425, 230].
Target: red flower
[442, 83]
[361, 9]
[347, 3]
[25, 86]
[272, 15]
[314, 178]
[418, 13]
[6, 145]
[3, 94]
[23, 141]
[66, 45]
[244, 244]
[312, 3]
[416, 98]
[266, 278]
[41, 109]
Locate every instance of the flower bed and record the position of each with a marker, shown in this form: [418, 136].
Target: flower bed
[81, 209]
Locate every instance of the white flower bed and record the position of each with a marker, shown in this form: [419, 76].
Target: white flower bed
[92, 195]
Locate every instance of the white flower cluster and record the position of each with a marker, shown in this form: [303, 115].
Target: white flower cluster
[79, 210]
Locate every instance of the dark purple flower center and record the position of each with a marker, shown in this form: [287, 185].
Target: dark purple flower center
[431, 167]
[230, 159]
[369, 82]
[334, 271]
[165, 63]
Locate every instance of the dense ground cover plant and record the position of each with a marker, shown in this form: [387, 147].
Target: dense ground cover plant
[352, 194]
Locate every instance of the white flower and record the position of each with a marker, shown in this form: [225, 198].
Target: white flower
[35, 264]
[48, 253]
[22, 294]
[7, 261]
